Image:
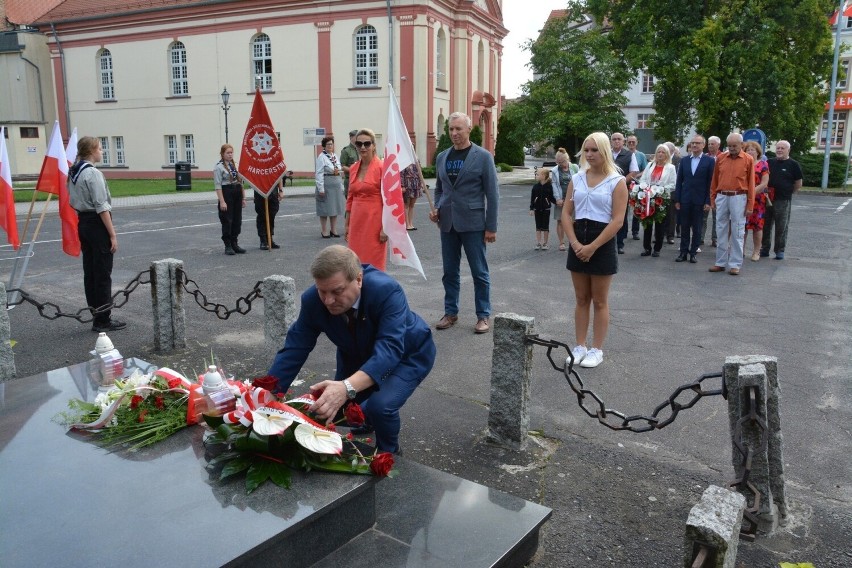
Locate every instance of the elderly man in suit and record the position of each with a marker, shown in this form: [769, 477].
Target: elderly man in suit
[692, 196]
[384, 350]
[466, 201]
[629, 168]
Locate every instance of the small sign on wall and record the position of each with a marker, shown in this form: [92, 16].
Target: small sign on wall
[31, 149]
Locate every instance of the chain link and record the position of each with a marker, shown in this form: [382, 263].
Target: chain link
[51, 311]
[744, 484]
[243, 304]
[594, 406]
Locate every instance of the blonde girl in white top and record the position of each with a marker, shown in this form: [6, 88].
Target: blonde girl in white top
[591, 216]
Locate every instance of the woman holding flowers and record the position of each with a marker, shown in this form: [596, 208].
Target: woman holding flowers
[653, 199]
[591, 216]
[761, 183]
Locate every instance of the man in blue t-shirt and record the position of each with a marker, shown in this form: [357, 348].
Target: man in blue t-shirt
[466, 200]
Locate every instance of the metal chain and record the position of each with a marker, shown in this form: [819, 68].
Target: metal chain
[51, 311]
[243, 305]
[594, 406]
[743, 484]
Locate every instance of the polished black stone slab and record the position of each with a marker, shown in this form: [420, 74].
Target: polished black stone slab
[65, 501]
[431, 519]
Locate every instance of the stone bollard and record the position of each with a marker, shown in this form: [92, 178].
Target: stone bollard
[511, 370]
[279, 309]
[7, 357]
[714, 522]
[767, 465]
[167, 303]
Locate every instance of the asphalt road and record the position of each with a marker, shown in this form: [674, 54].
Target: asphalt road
[619, 499]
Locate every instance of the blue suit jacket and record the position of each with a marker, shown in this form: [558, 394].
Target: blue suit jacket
[694, 189]
[462, 206]
[389, 338]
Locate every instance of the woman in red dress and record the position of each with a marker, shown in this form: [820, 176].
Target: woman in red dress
[761, 180]
[363, 231]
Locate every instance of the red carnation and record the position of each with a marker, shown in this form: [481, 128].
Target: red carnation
[142, 415]
[135, 401]
[659, 201]
[268, 382]
[158, 402]
[354, 415]
[382, 464]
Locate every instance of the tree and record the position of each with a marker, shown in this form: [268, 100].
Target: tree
[476, 135]
[444, 142]
[725, 65]
[510, 142]
[579, 85]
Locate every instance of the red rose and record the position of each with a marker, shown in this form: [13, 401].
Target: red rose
[174, 383]
[354, 415]
[350, 437]
[135, 400]
[142, 415]
[659, 201]
[382, 464]
[268, 383]
[158, 402]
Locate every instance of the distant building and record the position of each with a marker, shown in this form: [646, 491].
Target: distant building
[146, 76]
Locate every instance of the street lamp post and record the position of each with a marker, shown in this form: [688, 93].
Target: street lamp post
[225, 97]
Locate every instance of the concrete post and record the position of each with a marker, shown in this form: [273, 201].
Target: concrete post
[715, 523]
[511, 370]
[167, 303]
[7, 357]
[279, 309]
[767, 467]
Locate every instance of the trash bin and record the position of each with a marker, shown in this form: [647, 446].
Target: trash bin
[183, 176]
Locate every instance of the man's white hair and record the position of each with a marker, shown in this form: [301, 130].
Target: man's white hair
[462, 115]
[715, 139]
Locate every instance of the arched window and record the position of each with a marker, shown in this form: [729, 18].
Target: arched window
[261, 56]
[177, 70]
[480, 67]
[366, 57]
[107, 87]
[441, 60]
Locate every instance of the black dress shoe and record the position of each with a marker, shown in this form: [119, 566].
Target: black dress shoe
[692, 259]
[655, 254]
[335, 235]
[670, 241]
[681, 258]
[621, 250]
[645, 253]
[275, 245]
[111, 325]
[263, 245]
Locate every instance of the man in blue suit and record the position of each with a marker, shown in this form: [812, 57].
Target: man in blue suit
[692, 196]
[466, 201]
[384, 350]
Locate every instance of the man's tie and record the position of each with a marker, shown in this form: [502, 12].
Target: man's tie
[351, 318]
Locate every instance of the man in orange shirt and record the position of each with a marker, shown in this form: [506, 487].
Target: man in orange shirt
[732, 197]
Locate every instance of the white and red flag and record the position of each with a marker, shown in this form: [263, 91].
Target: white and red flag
[7, 200]
[261, 158]
[71, 148]
[399, 154]
[53, 179]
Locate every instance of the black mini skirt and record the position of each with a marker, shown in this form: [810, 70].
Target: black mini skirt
[605, 260]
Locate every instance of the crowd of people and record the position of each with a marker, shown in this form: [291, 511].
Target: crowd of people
[671, 196]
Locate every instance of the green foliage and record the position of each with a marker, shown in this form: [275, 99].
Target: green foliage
[476, 135]
[812, 169]
[572, 98]
[444, 142]
[501, 167]
[510, 143]
[429, 172]
[726, 65]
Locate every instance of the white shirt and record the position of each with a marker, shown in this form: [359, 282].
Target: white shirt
[594, 203]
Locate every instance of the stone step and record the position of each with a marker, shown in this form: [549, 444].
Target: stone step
[429, 518]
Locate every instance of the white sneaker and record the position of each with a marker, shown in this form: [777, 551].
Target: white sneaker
[579, 353]
[592, 359]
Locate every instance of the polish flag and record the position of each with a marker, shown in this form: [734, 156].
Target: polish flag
[53, 179]
[399, 154]
[71, 148]
[261, 158]
[7, 201]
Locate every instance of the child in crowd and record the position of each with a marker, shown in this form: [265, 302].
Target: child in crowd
[541, 199]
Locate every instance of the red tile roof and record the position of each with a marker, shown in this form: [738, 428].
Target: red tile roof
[28, 11]
[45, 11]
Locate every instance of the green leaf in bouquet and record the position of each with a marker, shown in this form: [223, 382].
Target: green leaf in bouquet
[224, 457]
[261, 470]
[280, 475]
[235, 466]
[253, 442]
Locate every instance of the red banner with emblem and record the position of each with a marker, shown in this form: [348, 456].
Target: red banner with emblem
[261, 159]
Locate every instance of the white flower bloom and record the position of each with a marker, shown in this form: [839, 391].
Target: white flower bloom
[270, 423]
[317, 440]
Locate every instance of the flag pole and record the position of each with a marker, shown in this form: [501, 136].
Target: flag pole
[425, 187]
[268, 231]
[16, 278]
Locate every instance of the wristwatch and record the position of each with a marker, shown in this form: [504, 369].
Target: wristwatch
[351, 393]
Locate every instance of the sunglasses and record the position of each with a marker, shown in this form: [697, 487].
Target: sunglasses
[364, 144]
